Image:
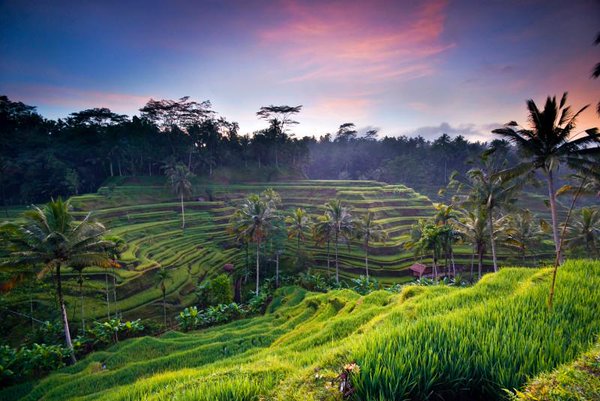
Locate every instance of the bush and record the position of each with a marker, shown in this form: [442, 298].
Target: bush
[216, 291]
[364, 285]
[30, 362]
[192, 319]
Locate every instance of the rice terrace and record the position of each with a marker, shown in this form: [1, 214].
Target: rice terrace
[380, 201]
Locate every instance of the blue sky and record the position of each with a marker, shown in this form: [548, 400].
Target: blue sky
[405, 67]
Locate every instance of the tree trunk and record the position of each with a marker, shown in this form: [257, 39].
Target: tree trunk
[480, 260]
[367, 258]
[115, 291]
[337, 269]
[112, 173]
[552, 197]
[107, 296]
[182, 213]
[257, 266]
[82, 303]
[328, 257]
[63, 312]
[492, 240]
[277, 269]
[164, 294]
[472, 262]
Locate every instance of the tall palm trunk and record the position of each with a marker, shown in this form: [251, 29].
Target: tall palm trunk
[367, 258]
[480, 261]
[257, 266]
[492, 240]
[277, 269]
[82, 302]
[164, 303]
[337, 269]
[472, 262]
[182, 213]
[63, 312]
[328, 257]
[107, 296]
[552, 197]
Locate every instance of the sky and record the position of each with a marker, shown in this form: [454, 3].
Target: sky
[402, 67]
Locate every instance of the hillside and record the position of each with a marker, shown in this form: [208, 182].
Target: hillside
[146, 215]
[405, 344]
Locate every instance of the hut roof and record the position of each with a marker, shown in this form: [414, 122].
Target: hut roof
[418, 268]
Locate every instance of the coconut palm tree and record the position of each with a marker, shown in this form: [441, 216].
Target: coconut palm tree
[584, 231]
[342, 227]
[367, 230]
[473, 228]
[161, 276]
[489, 188]
[179, 176]
[323, 233]
[50, 237]
[523, 233]
[299, 224]
[253, 221]
[551, 142]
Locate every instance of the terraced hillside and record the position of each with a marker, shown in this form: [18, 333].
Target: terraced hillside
[423, 343]
[146, 215]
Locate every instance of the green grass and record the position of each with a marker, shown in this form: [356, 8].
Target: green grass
[143, 212]
[424, 343]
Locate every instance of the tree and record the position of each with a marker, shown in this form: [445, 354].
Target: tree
[488, 187]
[523, 233]
[299, 225]
[342, 223]
[253, 221]
[161, 276]
[426, 236]
[278, 117]
[367, 230]
[550, 142]
[473, 228]
[584, 231]
[179, 177]
[50, 237]
[323, 233]
[596, 70]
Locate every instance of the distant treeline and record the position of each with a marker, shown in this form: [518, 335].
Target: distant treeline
[42, 158]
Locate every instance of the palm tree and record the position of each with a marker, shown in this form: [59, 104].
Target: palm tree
[473, 228]
[368, 230]
[342, 227]
[523, 233]
[584, 231]
[253, 221]
[491, 189]
[426, 236]
[323, 233]
[162, 275]
[444, 215]
[179, 177]
[299, 224]
[550, 142]
[50, 237]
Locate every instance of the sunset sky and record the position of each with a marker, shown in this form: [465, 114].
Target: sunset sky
[404, 67]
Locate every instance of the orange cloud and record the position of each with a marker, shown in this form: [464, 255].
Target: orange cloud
[350, 41]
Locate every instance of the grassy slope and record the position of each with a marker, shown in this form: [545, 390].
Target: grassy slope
[441, 340]
[578, 381]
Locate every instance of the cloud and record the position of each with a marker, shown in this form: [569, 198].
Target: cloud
[76, 99]
[473, 132]
[357, 42]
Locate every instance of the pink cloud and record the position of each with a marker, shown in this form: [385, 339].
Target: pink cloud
[349, 41]
[76, 99]
[340, 108]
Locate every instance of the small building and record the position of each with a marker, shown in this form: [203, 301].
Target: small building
[418, 269]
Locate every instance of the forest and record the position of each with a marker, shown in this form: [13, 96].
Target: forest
[43, 158]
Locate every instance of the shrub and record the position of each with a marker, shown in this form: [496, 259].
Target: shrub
[216, 291]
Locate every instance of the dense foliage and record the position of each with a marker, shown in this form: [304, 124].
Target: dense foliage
[40, 158]
[397, 345]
